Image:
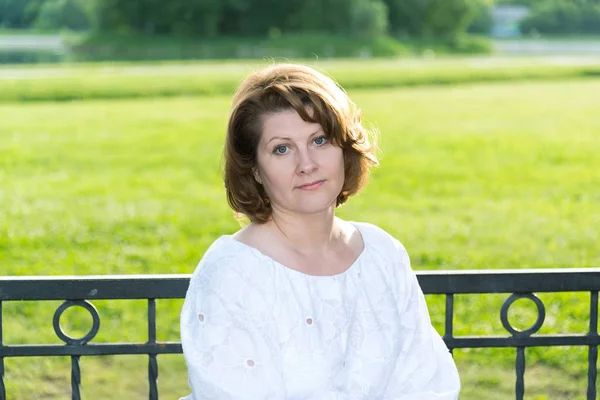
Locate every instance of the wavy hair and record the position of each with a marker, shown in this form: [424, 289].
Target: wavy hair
[317, 99]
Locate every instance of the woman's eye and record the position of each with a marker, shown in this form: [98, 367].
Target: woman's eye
[280, 150]
[321, 140]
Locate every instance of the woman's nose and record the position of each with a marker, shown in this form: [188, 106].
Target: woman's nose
[306, 162]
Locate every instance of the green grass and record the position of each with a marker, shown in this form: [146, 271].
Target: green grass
[576, 37]
[498, 175]
[26, 32]
[209, 78]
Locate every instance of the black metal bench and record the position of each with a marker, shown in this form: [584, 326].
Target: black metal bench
[81, 290]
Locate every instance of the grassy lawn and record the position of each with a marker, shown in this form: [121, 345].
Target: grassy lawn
[25, 32]
[496, 175]
[554, 38]
[211, 78]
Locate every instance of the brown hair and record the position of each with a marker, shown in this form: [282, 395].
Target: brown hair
[316, 98]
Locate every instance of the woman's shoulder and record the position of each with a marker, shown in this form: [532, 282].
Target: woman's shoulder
[230, 277]
[227, 258]
[378, 237]
[388, 252]
[224, 248]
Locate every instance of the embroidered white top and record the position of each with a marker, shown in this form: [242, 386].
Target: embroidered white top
[252, 328]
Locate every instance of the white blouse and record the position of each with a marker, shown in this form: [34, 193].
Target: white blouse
[252, 328]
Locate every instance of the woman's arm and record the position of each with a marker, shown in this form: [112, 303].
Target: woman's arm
[425, 368]
[228, 337]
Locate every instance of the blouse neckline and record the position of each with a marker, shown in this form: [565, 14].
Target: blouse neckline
[347, 271]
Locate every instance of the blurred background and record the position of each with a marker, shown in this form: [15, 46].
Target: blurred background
[112, 119]
[94, 30]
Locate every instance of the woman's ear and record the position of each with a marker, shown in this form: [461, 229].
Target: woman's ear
[257, 176]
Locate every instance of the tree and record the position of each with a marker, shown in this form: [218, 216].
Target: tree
[431, 17]
[368, 18]
[346, 17]
[449, 17]
[198, 17]
[564, 17]
[70, 14]
[259, 17]
[482, 22]
[244, 17]
[19, 14]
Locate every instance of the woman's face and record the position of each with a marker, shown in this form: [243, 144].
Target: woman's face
[301, 170]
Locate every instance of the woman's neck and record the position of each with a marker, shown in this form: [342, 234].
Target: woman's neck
[308, 234]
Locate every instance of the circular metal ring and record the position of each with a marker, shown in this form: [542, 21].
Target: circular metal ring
[536, 325]
[95, 322]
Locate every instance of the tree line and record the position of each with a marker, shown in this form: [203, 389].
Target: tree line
[560, 16]
[209, 18]
[259, 18]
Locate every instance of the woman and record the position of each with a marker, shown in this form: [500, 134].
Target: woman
[300, 304]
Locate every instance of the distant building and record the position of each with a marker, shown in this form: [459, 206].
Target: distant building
[506, 20]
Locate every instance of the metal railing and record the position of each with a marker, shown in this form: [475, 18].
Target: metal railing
[80, 290]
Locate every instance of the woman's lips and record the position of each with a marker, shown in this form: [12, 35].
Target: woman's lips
[312, 185]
